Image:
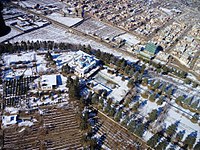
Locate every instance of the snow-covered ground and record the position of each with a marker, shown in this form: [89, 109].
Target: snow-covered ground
[26, 58]
[184, 123]
[130, 39]
[57, 34]
[174, 113]
[147, 135]
[99, 29]
[12, 58]
[9, 120]
[53, 99]
[11, 110]
[10, 117]
[180, 87]
[192, 77]
[147, 106]
[68, 21]
[25, 123]
[35, 102]
[31, 3]
[12, 120]
[9, 13]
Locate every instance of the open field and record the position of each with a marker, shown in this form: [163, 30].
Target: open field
[57, 128]
[99, 29]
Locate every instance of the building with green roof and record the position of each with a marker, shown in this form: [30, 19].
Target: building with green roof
[149, 51]
[151, 48]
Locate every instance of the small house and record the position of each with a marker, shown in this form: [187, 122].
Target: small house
[48, 82]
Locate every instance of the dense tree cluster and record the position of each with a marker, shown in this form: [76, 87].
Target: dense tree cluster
[154, 140]
[190, 140]
[74, 88]
[197, 146]
[162, 145]
[136, 106]
[179, 136]
[137, 127]
[84, 121]
[160, 100]
[66, 69]
[171, 130]
[131, 83]
[152, 116]
[48, 56]
[152, 97]
[17, 88]
[88, 141]
[161, 68]
[38, 45]
[188, 103]
[145, 94]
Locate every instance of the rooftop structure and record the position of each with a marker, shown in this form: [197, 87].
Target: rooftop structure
[149, 51]
[83, 63]
[48, 82]
[151, 48]
[27, 23]
[9, 120]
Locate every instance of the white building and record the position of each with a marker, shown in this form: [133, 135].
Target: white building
[48, 82]
[9, 120]
[83, 63]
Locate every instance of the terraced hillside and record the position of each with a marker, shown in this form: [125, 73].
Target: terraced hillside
[57, 128]
[15, 137]
[62, 129]
[114, 136]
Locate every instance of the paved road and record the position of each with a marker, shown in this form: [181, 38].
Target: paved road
[77, 32]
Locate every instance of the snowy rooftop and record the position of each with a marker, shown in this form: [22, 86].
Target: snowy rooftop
[118, 91]
[130, 39]
[69, 21]
[82, 62]
[48, 80]
[9, 120]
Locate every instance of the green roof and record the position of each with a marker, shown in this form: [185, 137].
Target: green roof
[151, 48]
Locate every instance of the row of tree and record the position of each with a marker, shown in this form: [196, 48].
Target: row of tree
[18, 86]
[73, 85]
[73, 88]
[38, 45]
[123, 65]
[162, 68]
[169, 135]
[188, 103]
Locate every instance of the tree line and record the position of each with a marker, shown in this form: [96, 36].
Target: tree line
[120, 63]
